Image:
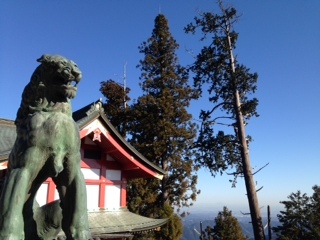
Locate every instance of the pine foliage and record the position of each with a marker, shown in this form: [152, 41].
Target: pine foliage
[226, 227]
[221, 149]
[116, 104]
[300, 219]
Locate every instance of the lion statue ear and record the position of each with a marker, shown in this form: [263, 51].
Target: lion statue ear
[43, 58]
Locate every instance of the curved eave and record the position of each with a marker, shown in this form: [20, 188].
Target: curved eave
[103, 223]
[119, 142]
[4, 156]
[130, 148]
[132, 167]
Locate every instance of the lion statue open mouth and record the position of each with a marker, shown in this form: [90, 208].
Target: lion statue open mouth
[47, 145]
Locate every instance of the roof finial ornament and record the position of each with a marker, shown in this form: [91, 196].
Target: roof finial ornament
[97, 135]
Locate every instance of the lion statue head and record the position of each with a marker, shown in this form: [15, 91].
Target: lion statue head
[52, 85]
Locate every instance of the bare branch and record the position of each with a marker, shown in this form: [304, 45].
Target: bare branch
[245, 213]
[190, 52]
[217, 106]
[260, 169]
[220, 123]
[241, 173]
[236, 173]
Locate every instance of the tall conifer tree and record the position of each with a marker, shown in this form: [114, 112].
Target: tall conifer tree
[222, 139]
[163, 132]
[116, 107]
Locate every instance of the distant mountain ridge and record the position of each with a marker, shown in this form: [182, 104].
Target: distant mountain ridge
[191, 226]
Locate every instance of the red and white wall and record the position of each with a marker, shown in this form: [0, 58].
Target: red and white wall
[106, 187]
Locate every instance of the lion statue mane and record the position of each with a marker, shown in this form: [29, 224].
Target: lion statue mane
[47, 145]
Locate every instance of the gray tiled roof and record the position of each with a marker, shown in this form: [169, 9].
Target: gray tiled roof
[111, 224]
[7, 137]
[103, 223]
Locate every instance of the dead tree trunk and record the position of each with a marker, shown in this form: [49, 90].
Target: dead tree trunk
[269, 224]
[245, 158]
[248, 176]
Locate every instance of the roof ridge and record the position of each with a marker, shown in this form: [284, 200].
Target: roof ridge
[6, 121]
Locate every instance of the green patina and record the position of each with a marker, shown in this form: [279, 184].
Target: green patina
[47, 145]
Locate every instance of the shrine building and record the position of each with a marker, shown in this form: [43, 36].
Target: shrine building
[108, 162]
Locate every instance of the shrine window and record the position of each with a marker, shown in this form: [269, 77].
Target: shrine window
[92, 154]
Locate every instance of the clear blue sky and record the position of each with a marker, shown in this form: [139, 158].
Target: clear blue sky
[280, 40]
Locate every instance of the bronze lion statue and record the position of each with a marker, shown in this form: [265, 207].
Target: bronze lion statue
[47, 145]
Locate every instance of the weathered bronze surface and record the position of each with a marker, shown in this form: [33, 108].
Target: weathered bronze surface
[47, 145]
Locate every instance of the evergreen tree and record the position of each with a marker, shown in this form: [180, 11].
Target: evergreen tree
[315, 212]
[163, 132]
[300, 219]
[116, 107]
[226, 227]
[229, 84]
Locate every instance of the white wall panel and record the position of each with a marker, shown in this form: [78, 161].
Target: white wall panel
[93, 197]
[91, 173]
[112, 198]
[42, 194]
